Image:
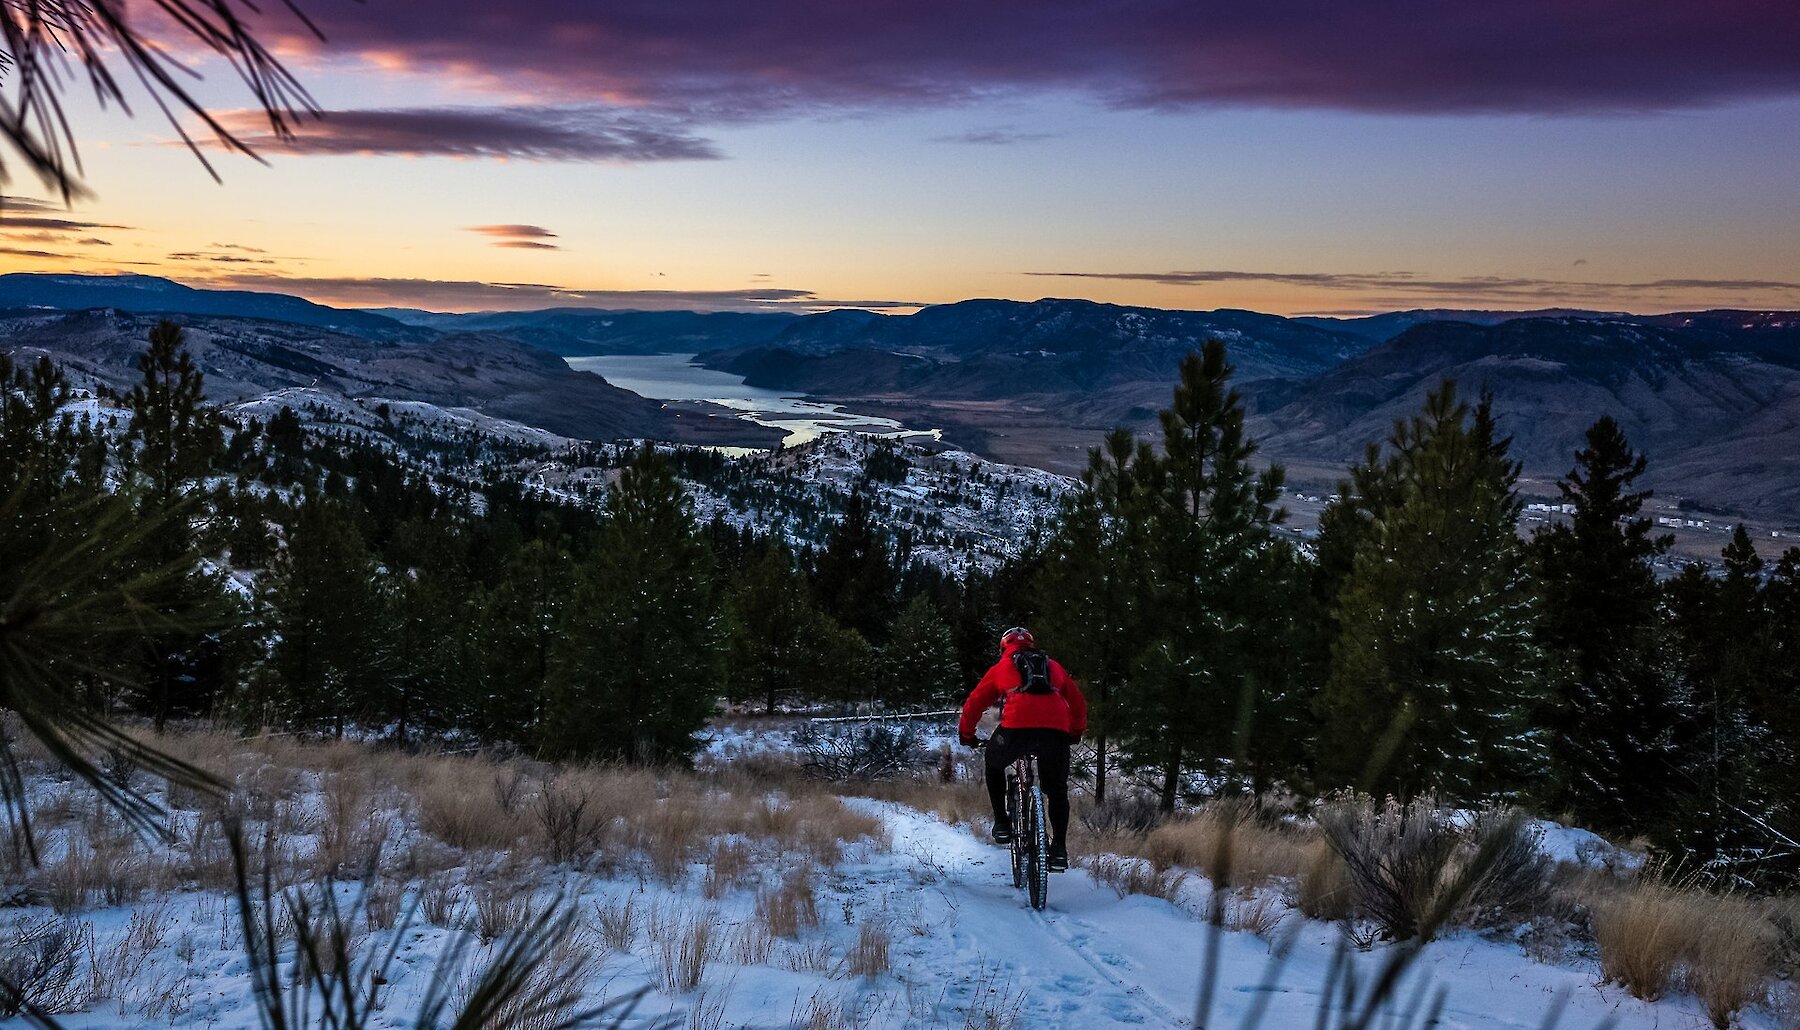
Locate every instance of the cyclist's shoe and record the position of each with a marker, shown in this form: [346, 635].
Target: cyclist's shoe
[1002, 832]
[1059, 858]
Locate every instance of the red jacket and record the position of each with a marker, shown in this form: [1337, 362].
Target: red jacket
[1064, 710]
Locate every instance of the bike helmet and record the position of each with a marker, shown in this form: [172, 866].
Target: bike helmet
[1018, 636]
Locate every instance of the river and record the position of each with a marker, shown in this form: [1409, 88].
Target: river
[674, 377]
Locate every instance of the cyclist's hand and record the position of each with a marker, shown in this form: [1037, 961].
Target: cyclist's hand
[970, 740]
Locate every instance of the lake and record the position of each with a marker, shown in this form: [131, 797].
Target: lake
[674, 377]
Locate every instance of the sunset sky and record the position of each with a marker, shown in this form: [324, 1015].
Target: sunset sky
[1296, 156]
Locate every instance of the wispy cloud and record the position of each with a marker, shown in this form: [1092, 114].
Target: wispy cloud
[1406, 287]
[582, 133]
[994, 137]
[516, 236]
[473, 295]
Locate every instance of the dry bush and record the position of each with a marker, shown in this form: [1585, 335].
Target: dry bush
[708, 1009]
[726, 866]
[203, 857]
[572, 817]
[1416, 866]
[869, 956]
[550, 992]
[352, 832]
[786, 909]
[1122, 814]
[1127, 876]
[41, 958]
[459, 807]
[685, 953]
[618, 922]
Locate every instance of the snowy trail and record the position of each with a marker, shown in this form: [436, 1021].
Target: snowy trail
[1094, 959]
[1070, 971]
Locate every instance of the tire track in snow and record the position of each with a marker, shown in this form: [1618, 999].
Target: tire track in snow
[1135, 992]
[963, 850]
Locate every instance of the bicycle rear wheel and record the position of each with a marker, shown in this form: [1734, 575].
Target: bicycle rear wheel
[1015, 813]
[1038, 861]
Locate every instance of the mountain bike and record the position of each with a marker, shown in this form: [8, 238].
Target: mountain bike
[1031, 829]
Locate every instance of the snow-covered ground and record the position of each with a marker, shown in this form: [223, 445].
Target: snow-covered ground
[963, 949]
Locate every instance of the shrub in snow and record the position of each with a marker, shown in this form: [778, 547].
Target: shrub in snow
[38, 962]
[860, 752]
[1414, 867]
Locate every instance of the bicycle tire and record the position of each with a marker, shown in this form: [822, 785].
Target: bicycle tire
[1015, 815]
[1038, 863]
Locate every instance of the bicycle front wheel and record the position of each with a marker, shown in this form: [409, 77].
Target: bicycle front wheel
[1037, 871]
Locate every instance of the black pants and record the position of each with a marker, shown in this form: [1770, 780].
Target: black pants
[1052, 750]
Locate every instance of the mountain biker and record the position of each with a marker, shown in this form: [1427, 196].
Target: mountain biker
[1042, 712]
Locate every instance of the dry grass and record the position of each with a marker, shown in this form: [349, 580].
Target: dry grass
[1227, 844]
[1323, 890]
[869, 956]
[618, 922]
[1128, 876]
[441, 901]
[1653, 937]
[727, 866]
[751, 944]
[686, 952]
[786, 909]
[461, 808]
[501, 909]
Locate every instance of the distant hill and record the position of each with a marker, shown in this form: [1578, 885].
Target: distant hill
[1383, 327]
[1713, 400]
[1090, 362]
[151, 294]
[244, 358]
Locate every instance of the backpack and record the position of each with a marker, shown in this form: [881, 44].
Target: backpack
[1034, 672]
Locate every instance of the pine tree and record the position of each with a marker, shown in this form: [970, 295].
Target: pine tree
[782, 646]
[917, 665]
[175, 437]
[1607, 711]
[1092, 595]
[855, 578]
[324, 607]
[638, 664]
[1433, 672]
[517, 629]
[171, 443]
[1193, 694]
[1727, 760]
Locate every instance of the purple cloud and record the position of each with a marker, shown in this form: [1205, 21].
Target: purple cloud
[709, 59]
[1405, 287]
[587, 133]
